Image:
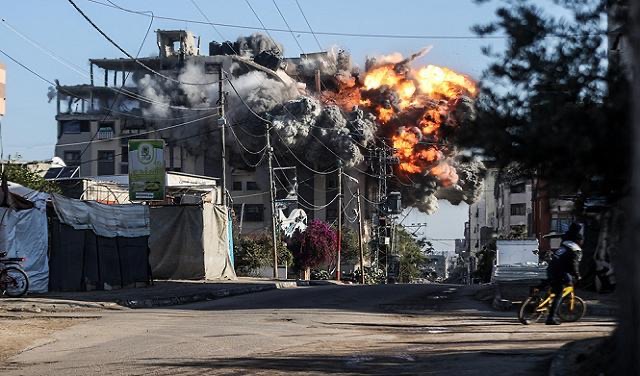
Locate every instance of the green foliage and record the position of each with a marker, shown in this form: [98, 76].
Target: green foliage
[553, 101]
[518, 232]
[22, 175]
[412, 259]
[350, 253]
[320, 275]
[372, 276]
[253, 252]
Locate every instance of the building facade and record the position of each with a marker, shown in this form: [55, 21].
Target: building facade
[96, 120]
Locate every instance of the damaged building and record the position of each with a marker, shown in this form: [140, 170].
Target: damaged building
[387, 125]
[176, 97]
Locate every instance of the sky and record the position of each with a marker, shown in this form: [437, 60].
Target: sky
[29, 127]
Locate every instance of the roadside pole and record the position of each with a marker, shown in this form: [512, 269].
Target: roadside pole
[222, 122]
[339, 219]
[273, 205]
[360, 235]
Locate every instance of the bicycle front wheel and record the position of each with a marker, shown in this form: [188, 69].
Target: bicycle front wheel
[14, 281]
[572, 312]
[529, 313]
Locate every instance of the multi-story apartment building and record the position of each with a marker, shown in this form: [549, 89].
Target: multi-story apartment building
[514, 208]
[483, 215]
[96, 120]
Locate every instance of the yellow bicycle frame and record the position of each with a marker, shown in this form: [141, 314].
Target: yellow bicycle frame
[550, 295]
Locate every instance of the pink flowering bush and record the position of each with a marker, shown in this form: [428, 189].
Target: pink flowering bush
[317, 244]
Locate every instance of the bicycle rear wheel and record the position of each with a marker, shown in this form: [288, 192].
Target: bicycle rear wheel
[567, 314]
[14, 282]
[529, 313]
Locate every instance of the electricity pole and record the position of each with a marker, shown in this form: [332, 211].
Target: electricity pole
[360, 225]
[339, 218]
[274, 217]
[360, 231]
[223, 123]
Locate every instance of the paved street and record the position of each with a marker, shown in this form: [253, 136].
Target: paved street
[349, 330]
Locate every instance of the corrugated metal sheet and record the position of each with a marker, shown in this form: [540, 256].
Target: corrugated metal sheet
[503, 273]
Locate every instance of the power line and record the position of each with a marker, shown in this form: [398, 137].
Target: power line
[173, 140]
[144, 39]
[250, 195]
[76, 69]
[261, 23]
[309, 25]
[282, 141]
[204, 15]
[317, 32]
[288, 27]
[143, 133]
[116, 45]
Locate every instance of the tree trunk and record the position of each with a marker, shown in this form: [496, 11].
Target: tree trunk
[629, 266]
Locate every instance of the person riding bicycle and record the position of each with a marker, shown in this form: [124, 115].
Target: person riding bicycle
[563, 267]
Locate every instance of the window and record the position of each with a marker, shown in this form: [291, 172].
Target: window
[210, 68]
[105, 130]
[74, 127]
[124, 168]
[71, 127]
[252, 186]
[237, 186]
[106, 162]
[518, 188]
[253, 213]
[560, 224]
[518, 209]
[72, 157]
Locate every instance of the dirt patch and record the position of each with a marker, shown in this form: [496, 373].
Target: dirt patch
[18, 333]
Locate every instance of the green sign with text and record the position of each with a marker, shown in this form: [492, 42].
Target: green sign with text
[146, 170]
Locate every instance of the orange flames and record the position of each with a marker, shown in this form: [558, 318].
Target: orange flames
[429, 91]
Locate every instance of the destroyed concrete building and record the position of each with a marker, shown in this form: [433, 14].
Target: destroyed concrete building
[175, 96]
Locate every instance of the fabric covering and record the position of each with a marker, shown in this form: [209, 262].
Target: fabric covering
[23, 233]
[190, 242]
[81, 260]
[110, 221]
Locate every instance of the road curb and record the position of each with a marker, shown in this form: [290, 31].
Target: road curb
[201, 297]
[318, 282]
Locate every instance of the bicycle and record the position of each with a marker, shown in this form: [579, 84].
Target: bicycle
[14, 282]
[572, 308]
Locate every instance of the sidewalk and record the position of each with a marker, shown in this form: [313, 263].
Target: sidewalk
[161, 294]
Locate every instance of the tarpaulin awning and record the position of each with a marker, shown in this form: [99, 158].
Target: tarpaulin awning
[110, 221]
[23, 232]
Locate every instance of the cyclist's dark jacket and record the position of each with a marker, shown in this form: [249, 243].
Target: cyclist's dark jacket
[565, 260]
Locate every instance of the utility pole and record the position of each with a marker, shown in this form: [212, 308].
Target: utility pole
[274, 220]
[360, 235]
[223, 123]
[339, 218]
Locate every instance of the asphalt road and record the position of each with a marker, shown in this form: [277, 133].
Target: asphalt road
[344, 330]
